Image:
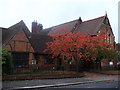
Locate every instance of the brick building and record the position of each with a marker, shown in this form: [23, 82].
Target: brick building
[27, 47]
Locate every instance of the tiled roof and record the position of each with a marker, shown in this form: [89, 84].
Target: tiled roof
[66, 26]
[38, 41]
[20, 26]
[4, 35]
[46, 31]
[9, 33]
[90, 26]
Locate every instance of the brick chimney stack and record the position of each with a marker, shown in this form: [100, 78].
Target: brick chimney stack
[36, 28]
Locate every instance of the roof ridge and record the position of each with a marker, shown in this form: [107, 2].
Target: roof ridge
[62, 23]
[22, 25]
[3, 27]
[93, 19]
[73, 21]
[14, 29]
[16, 25]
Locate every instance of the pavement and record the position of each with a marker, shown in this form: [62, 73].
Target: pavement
[48, 83]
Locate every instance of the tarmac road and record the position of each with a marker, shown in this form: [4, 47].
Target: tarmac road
[83, 82]
[114, 84]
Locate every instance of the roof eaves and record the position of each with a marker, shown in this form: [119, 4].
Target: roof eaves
[12, 35]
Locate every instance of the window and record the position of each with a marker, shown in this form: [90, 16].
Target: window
[20, 59]
[36, 58]
[34, 61]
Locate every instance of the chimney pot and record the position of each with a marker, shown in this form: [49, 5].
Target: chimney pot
[36, 28]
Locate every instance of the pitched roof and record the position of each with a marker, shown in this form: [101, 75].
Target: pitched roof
[90, 26]
[9, 33]
[4, 35]
[66, 26]
[38, 42]
[46, 31]
[19, 26]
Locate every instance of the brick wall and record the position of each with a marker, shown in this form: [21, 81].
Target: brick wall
[111, 38]
[20, 43]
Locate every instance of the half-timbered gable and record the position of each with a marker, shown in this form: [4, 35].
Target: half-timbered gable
[16, 40]
[20, 43]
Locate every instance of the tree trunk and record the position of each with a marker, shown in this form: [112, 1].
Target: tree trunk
[78, 64]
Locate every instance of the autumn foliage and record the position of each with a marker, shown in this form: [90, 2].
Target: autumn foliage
[78, 45]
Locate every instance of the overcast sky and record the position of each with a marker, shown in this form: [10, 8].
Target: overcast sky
[54, 12]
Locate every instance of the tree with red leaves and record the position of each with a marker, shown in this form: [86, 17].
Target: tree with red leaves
[78, 46]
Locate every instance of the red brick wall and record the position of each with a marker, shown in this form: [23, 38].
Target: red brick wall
[105, 63]
[111, 37]
[20, 43]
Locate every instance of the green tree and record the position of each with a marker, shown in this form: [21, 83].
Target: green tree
[109, 54]
[6, 62]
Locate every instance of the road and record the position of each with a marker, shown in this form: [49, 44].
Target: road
[89, 77]
[114, 84]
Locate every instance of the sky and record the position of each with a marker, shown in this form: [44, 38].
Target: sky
[54, 12]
